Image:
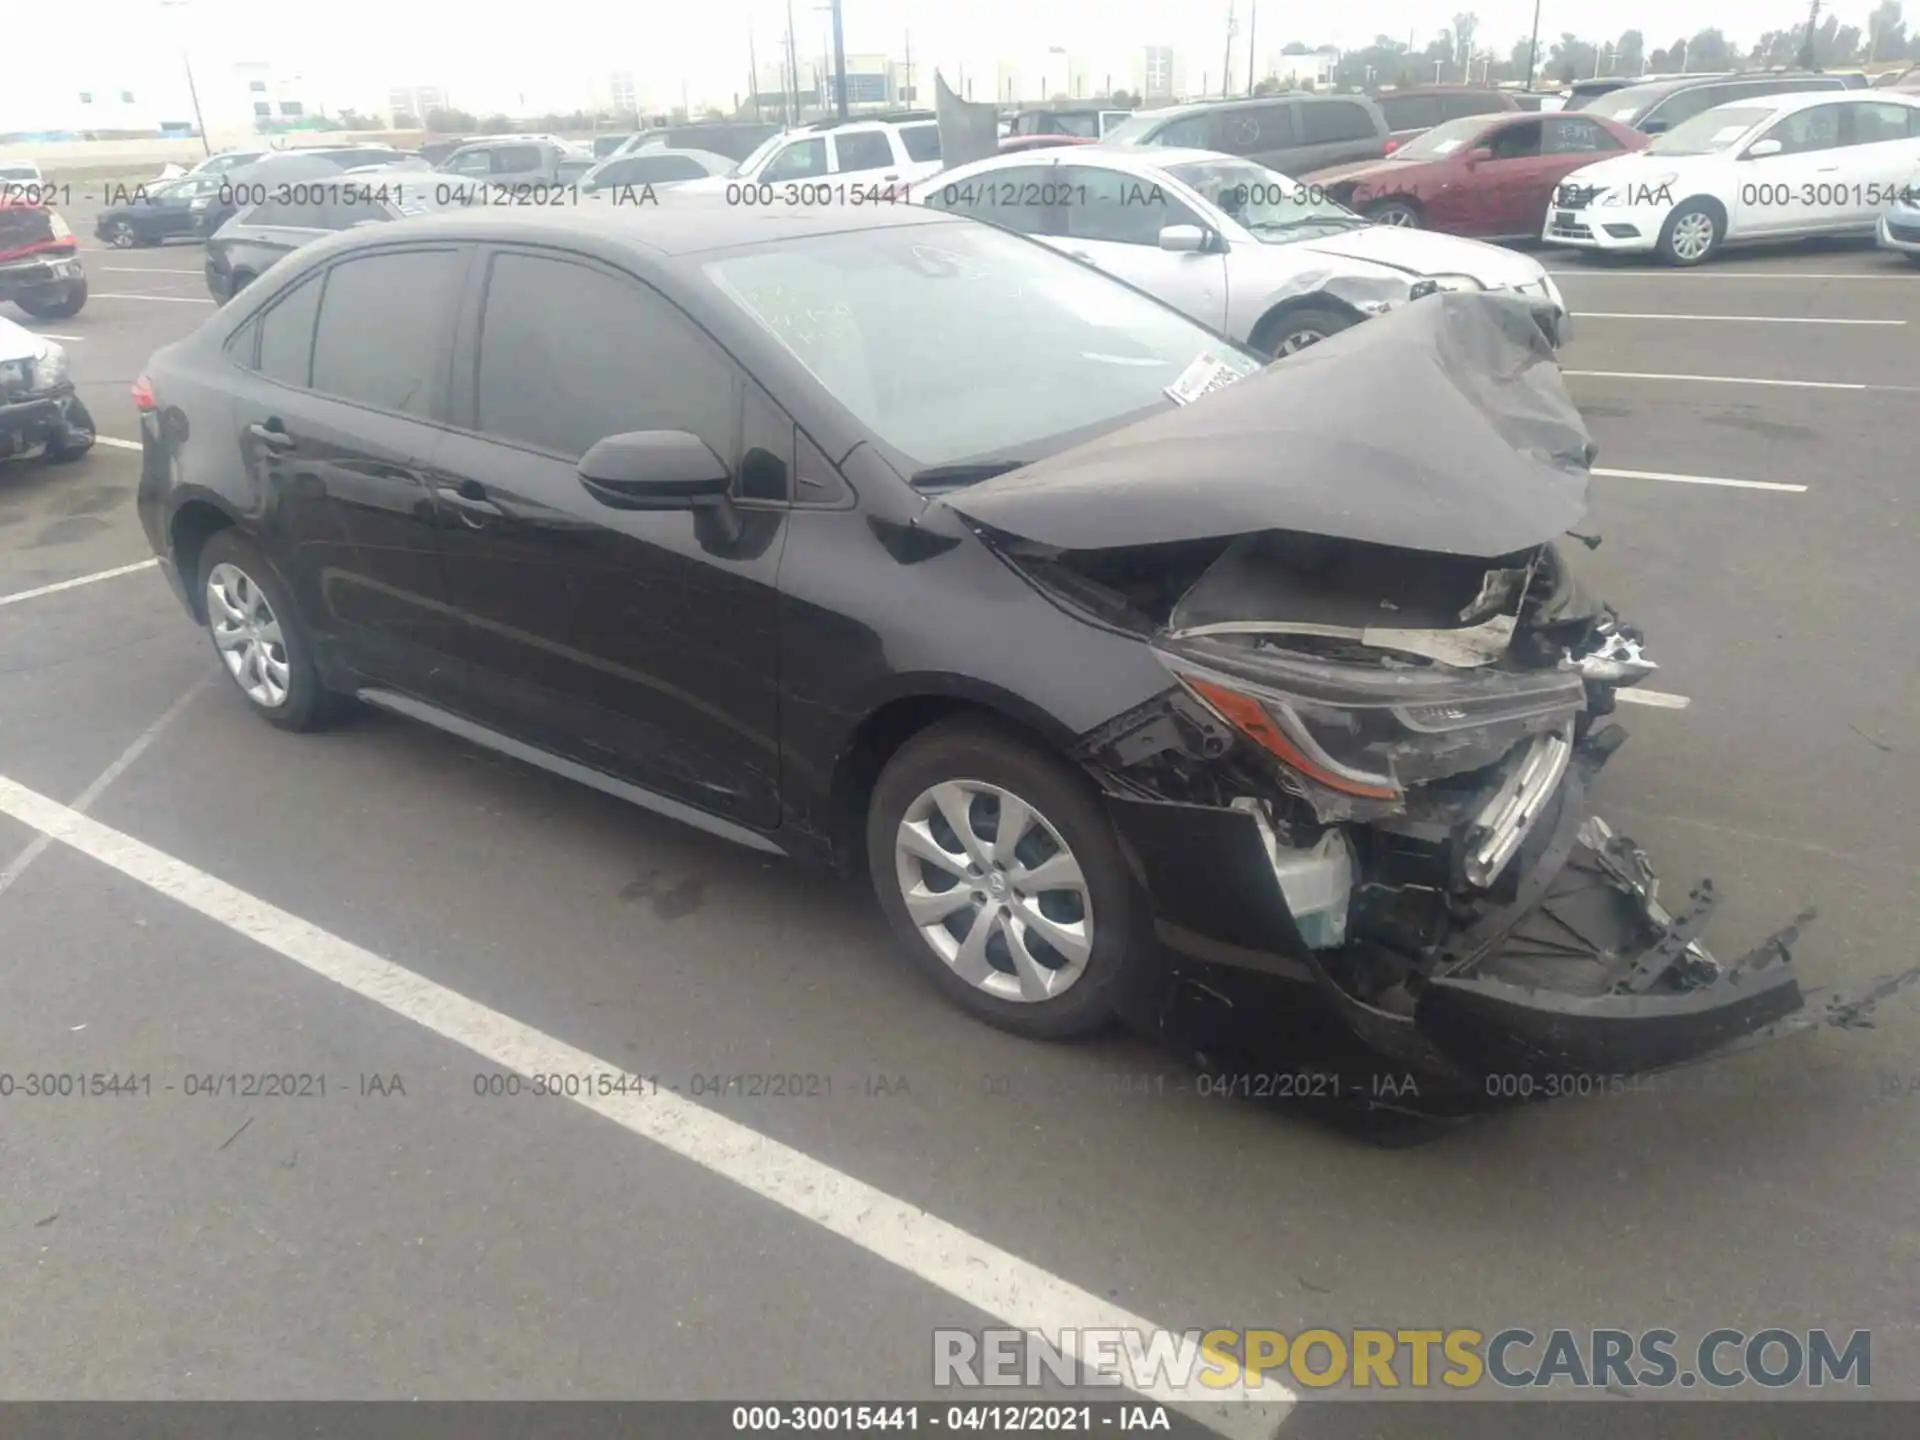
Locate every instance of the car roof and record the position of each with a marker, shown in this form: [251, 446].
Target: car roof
[686, 226]
[1123, 157]
[705, 157]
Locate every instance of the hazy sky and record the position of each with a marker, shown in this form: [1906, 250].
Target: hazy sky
[353, 50]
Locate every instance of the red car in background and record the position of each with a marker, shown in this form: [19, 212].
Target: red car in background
[40, 267]
[1486, 176]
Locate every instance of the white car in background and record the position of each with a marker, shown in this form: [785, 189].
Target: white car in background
[1260, 257]
[1777, 167]
[826, 155]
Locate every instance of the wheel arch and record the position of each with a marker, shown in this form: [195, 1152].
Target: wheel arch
[1278, 312]
[195, 522]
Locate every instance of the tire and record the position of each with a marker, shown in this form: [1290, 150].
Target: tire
[1678, 244]
[1277, 334]
[298, 701]
[121, 237]
[66, 305]
[76, 439]
[1395, 212]
[985, 764]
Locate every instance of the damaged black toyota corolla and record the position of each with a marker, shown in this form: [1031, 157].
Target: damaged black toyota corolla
[1244, 702]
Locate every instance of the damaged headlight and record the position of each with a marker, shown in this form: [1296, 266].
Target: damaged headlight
[50, 366]
[1370, 730]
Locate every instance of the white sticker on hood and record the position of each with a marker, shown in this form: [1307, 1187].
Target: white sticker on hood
[1205, 375]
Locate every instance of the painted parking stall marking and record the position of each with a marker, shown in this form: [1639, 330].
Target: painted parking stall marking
[1737, 319]
[21, 595]
[971, 1270]
[1700, 480]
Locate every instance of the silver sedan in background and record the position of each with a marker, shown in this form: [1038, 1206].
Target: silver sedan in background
[1263, 258]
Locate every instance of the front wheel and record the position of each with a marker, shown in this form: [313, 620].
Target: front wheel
[1295, 330]
[59, 308]
[121, 236]
[258, 636]
[1692, 233]
[1003, 877]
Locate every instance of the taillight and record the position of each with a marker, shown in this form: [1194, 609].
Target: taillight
[1392, 145]
[143, 400]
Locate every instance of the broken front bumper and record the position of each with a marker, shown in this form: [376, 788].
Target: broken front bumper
[31, 421]
[1555, 956]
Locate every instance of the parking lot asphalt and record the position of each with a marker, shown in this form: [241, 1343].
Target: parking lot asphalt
[235, 913]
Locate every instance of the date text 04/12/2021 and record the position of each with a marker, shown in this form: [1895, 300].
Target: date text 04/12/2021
[1028, 1418]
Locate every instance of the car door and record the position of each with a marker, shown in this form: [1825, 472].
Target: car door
[1880, 157]
[867, 154]
[1113, 220]
[1509, 181]
[1263, 133]
[1333, 132]
[521, 164]
[1780, 194]
[642, 643]
[339, 426]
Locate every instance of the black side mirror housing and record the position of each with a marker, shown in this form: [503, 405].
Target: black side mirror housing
[655, 470]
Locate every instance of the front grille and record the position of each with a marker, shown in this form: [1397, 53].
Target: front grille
[1566, 225]
[1574, 197]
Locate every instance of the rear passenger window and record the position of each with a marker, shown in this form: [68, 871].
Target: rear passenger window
[380, 338]
[922, 141]
[1410, 112]
[515, 159]
[286, 335]
[863, 150]
[1517, 142]
[1323, 122]
[570, 355]
[1576, 135]
[1874, 122]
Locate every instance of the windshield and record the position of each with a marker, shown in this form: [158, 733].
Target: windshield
[1449, 138]
[1274, 208]
[1134, 128]
[964, 342]
[1709, 131]
[760, 152]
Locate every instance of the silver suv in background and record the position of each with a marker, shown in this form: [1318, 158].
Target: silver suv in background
[1292, 133]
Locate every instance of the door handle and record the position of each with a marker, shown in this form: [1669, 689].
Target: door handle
[468, 497]
[272, 435]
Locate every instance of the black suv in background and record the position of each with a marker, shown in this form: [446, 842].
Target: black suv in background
[1663, 104]
[1293, 133]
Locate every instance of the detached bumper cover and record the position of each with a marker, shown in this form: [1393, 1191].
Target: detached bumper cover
[34, 420]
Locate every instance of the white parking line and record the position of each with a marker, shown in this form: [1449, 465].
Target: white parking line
[63, 339]
[1741, 319]
[19, 595]
[1658, 699]
[168, 299]
[146, 270]
[39, 844]
[1701, 480]
[1736, 380]
[116, 442]
[972, 1270]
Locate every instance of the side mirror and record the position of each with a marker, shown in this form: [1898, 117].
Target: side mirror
[1760, 149]
[654, 470]
[1479, 155]
[1184, 238]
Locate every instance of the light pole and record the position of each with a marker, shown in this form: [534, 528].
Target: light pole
[193, 91]
[839, 65]
[1533, 45]
[1253, 20]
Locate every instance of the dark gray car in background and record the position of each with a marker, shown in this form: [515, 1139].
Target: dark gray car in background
[262, 235]
[1292, 133]
[514, 161]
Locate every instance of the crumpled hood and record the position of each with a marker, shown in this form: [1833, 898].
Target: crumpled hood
[17, 342]
[1427, 252]
[1441, 426]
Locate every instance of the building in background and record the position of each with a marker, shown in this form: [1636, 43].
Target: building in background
[1159, 76]
[260, 96]
[1300, 71]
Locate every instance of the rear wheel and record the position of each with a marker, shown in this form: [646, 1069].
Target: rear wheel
[1296, 329]
[258, 636]
[1002, 876]
[58, 306]
[120, 235]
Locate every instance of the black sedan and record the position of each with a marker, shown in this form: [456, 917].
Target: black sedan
[153, 213]
[1137, 678]
[262, 235]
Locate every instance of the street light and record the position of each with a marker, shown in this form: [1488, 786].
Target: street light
[193, 91]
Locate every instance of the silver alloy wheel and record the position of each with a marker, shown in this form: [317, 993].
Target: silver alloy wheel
[1295, 340]
[123, 236]
[993, 888]
[1393, 215]
[1693, 235]
[248, 635]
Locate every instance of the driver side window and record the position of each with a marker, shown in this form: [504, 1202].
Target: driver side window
[1516, 142]
[802, 160]
[1121, 209]
[1805, 131]
[473, 162]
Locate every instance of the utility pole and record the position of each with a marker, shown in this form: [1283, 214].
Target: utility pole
[839, 65]
[1253, 21]
[911, 92]
[193, 91]
[753, 74]
[1533, 45]
[1226, 70]
[1808, 60]
[793, 65]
